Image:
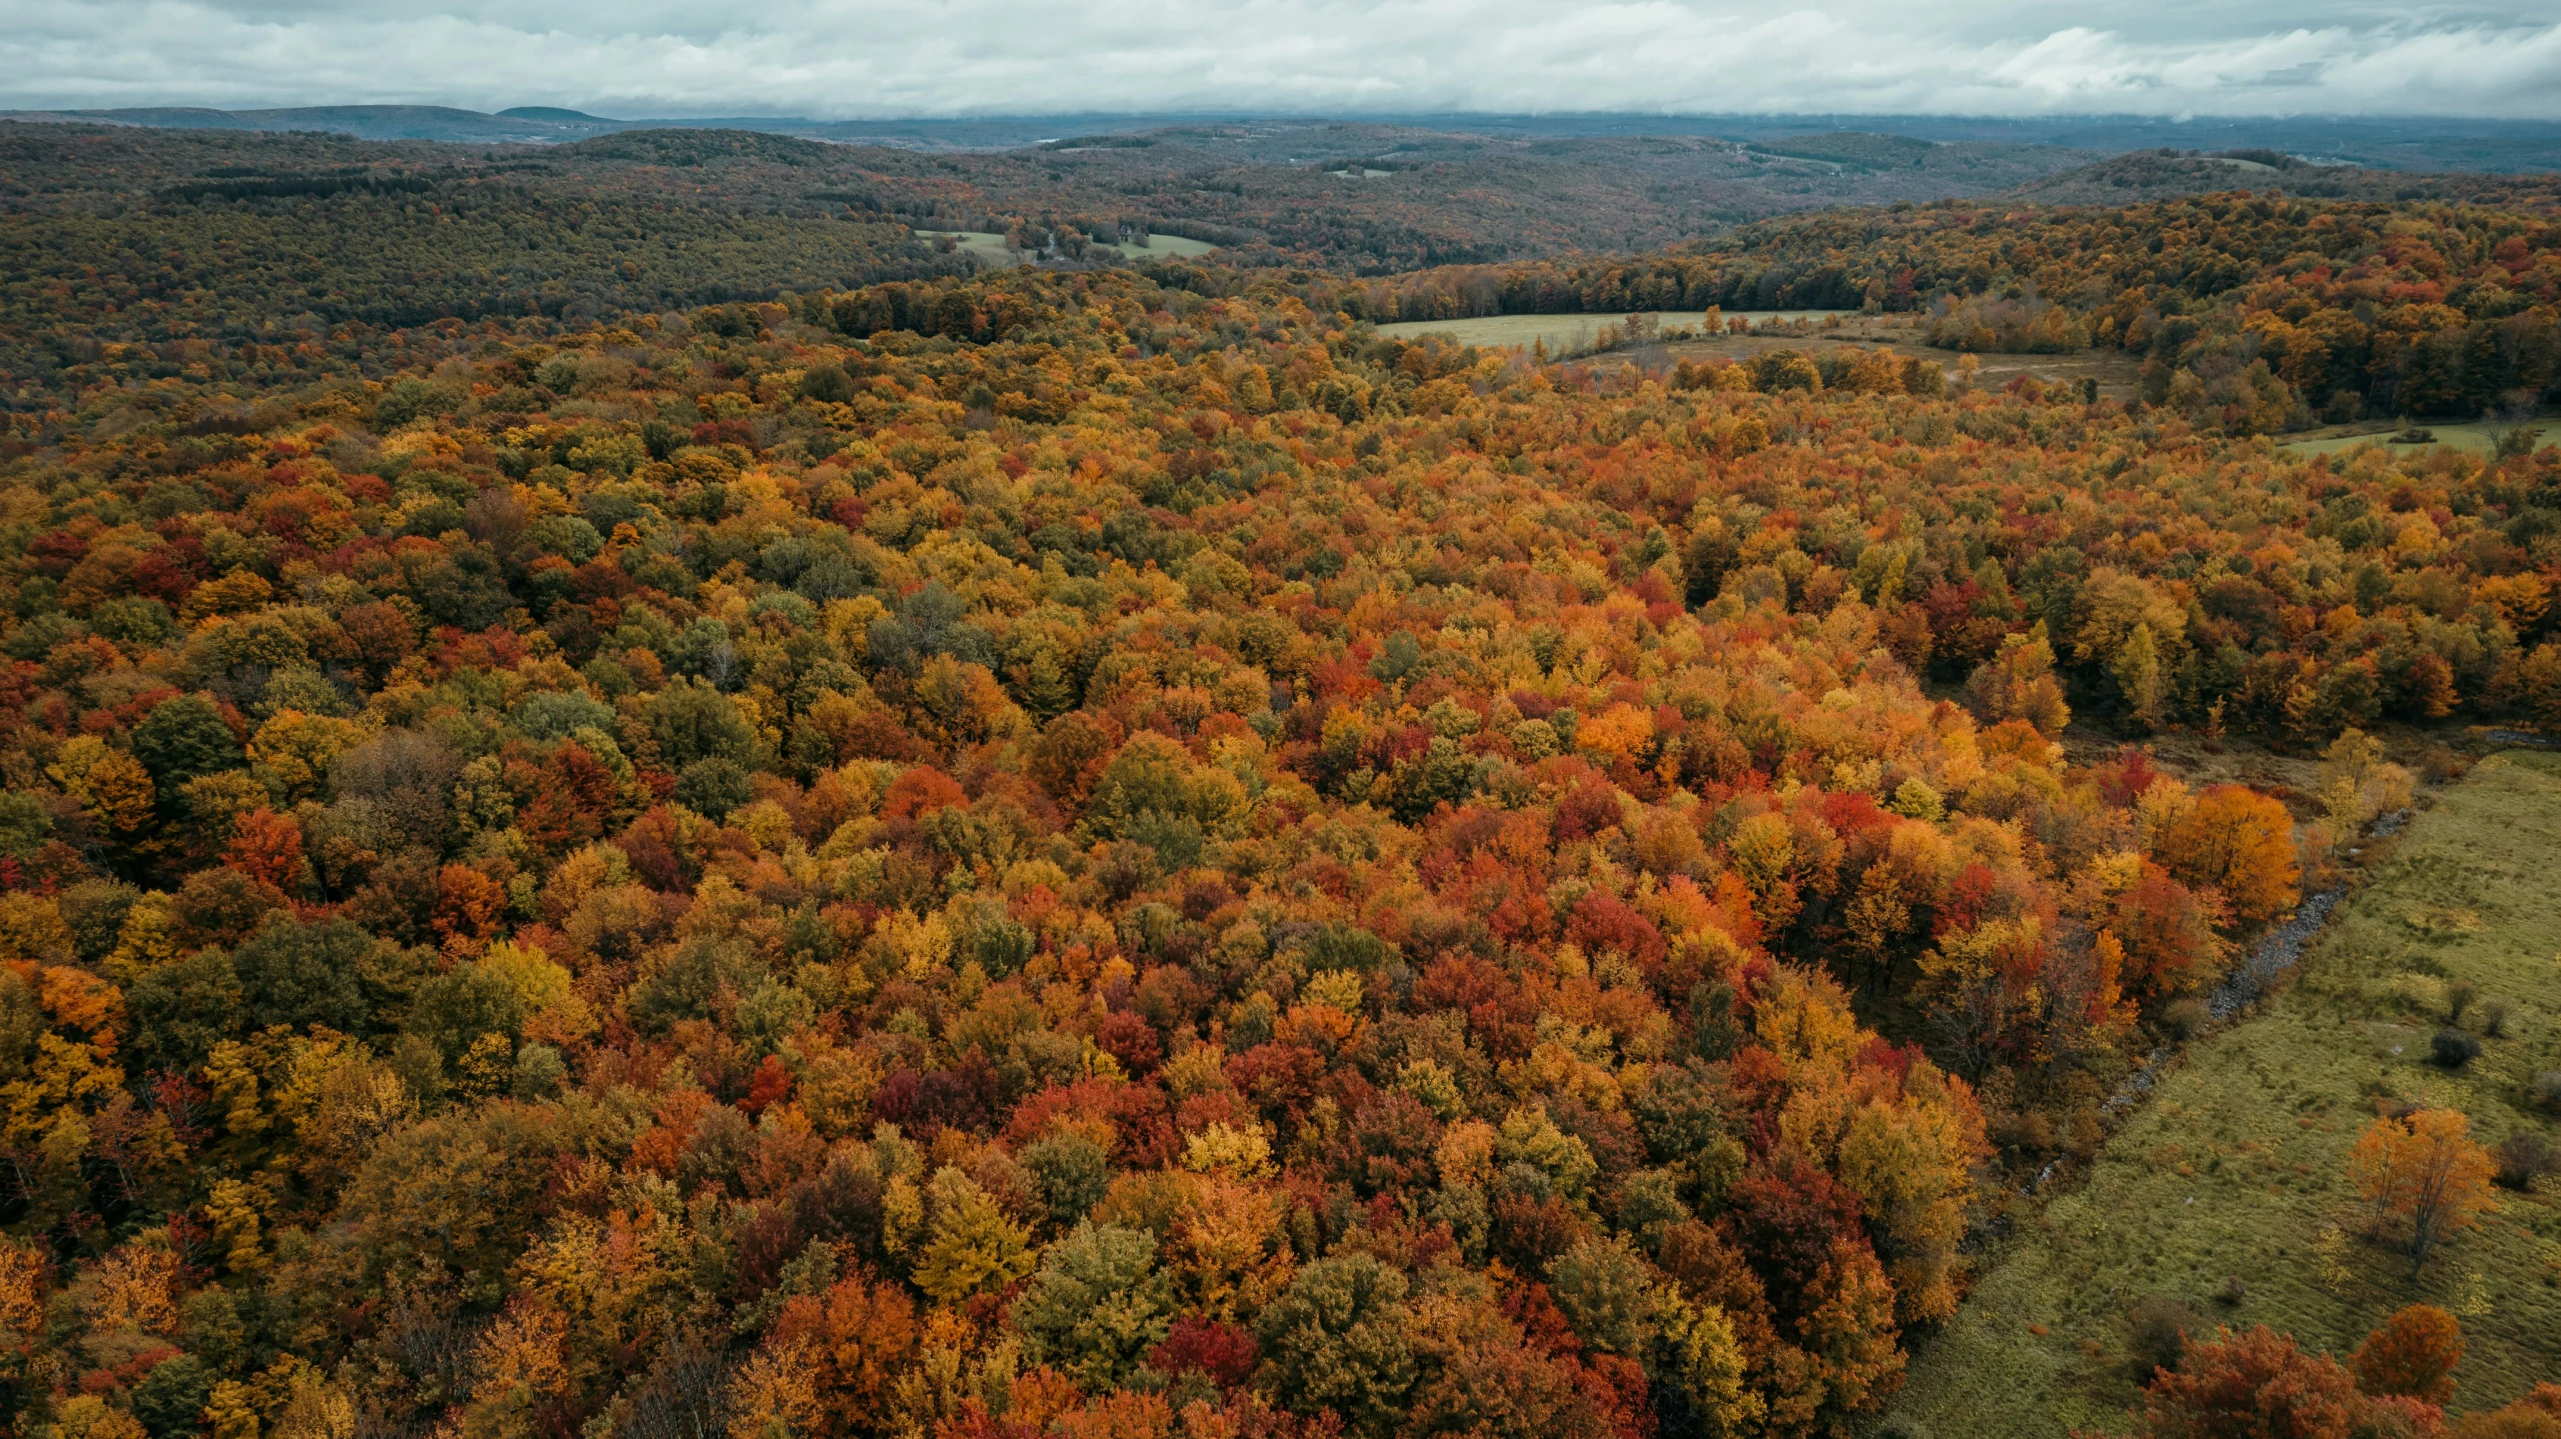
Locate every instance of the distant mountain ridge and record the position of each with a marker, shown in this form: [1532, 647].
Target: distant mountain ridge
[2157, 174]
[1366, 198]
[365, 122]
[552, 125]
[554, 112]
[1857, 143]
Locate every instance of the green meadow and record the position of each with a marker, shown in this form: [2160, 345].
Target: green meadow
[2227, 1191]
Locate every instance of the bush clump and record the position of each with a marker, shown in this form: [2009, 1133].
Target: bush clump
[2156, 1335]
[2524, 1157]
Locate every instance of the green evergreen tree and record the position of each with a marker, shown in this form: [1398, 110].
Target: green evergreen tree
[1097, 1305]
[183, 738]
[1340, 1339]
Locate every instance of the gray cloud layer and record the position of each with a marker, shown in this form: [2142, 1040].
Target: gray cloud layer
[881, 58]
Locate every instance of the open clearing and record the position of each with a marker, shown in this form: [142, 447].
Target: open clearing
[2118, 373]
[985, 246]
[2470, 436]
[1566, 333]
[1806, 330]
[2235, 1170]
[1166, 245]
[990, 249]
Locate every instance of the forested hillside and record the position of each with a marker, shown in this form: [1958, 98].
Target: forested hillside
[201, 233]
[1365, 198]
[2255, 313]
[1096, 852]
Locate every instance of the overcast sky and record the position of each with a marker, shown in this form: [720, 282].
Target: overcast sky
[900, 58]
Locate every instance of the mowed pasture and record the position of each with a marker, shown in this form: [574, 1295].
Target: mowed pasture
[2227, 1190]
[1568, 334]
[2472, 437]
[990, 249]
[1678, 338]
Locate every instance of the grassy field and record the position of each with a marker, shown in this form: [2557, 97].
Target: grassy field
[2470, 436]
[2226, 1192]
[1166, 245]
[2115, 370]
[989, 247]
[1569, 332]
[984, 246]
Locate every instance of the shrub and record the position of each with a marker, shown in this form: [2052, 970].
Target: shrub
[2545, 1088]
[2453, 1049]
[2185, 1019]
[2458, 998]
[2524, 1157]
[2536, 1416]
[2156, 1335]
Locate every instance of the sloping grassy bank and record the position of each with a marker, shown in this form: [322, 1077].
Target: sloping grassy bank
[2228, 1191]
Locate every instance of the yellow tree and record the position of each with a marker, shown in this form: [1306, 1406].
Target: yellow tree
[2018, 683]
[1983, 986]
[520, 1364]
[110, 786]
[53, 1093]
[972, 1246]
[2426, 1170]
[2357, 784]
[1909, 1157]
[775, 1394]
[1707, 1364]
[1849, 1334]
[2139, 677]
[22, 1292]
[292, 751]
[2242, 843]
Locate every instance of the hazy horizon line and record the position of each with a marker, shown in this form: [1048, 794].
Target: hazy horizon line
[1348, 116]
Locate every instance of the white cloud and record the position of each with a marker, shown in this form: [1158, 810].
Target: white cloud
[881, 58]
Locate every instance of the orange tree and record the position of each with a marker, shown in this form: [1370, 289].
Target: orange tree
[2240, 842]
[2413, 1353]
[2426, 1171]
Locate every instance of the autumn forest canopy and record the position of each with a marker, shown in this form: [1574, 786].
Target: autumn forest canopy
[626, 815]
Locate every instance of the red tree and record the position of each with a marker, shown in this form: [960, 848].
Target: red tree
[2414, 1353]
[267, 847]
[2251, 1386]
